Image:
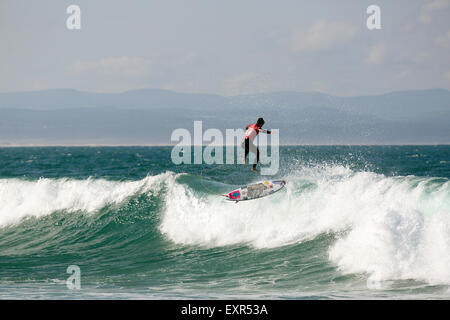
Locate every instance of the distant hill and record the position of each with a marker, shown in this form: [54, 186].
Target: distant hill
[148, 116]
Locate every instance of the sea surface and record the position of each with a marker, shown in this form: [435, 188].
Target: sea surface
[354, 222]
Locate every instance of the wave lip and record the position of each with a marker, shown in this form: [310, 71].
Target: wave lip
[22, 198]
[403, 233]
[386, 227]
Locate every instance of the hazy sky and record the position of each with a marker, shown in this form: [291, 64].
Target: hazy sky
[226, 47]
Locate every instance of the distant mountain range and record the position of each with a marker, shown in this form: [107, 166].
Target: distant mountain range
[148, 116]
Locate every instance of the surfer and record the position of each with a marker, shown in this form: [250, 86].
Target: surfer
[250, 135]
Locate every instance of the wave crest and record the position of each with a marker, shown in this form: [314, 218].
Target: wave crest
[22, 198]
[387, 227]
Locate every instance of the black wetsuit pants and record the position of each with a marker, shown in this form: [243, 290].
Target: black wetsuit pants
[249, 146]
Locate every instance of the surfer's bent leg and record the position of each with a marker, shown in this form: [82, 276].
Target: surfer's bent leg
[254, 149]
[249, 146]
[247, 149]
[257, 158]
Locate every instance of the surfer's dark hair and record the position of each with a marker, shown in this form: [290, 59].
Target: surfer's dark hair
[260, 121]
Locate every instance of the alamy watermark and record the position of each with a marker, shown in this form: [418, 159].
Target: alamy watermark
[374, 20]
[73, 21]
[208, 147]
[74, 281]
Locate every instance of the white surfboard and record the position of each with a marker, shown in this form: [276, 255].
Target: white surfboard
[255, 190]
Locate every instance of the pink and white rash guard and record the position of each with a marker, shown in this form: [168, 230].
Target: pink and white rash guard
[252, 132]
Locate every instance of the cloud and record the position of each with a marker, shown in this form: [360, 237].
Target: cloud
[421, 57]
[447, 75]
[376, 54]
[319, 86]
[444, 40]
[123, 66]
[427, 11]
[245, 83]
[321, 36]
[402, 74]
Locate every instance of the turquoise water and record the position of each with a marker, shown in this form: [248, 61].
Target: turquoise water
[366, 222]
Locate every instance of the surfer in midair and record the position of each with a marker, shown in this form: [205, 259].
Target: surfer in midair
[250, 134]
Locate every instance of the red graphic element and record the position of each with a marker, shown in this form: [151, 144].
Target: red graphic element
[234, 194]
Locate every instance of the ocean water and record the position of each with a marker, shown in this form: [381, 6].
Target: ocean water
[354, 222]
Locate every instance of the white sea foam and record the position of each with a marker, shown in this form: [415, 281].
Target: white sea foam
[22, 198]
[387, 227]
